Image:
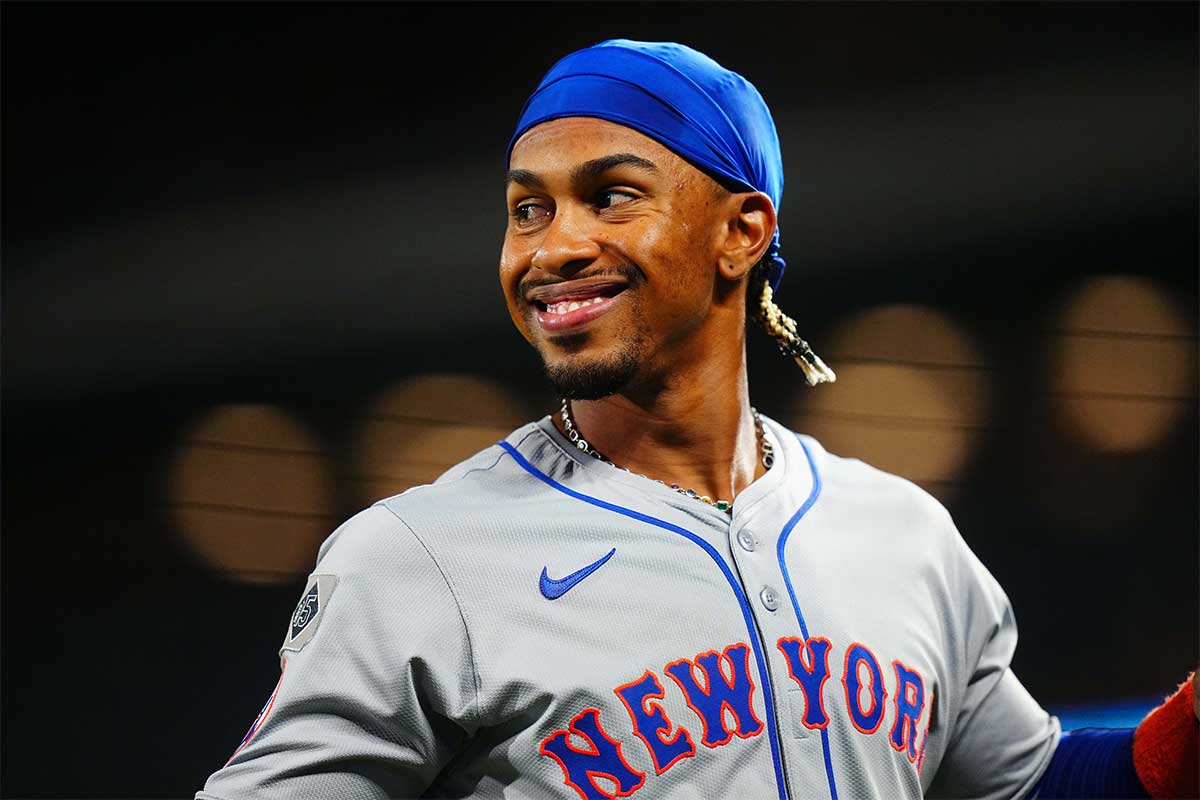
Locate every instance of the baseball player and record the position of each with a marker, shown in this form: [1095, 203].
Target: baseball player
[656, 590]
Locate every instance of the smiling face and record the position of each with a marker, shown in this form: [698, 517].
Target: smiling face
[610, 258]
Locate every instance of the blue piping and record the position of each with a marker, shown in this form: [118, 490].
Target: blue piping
[787, 580]
[763, 679]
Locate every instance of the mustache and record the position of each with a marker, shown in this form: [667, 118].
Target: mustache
[627, 272]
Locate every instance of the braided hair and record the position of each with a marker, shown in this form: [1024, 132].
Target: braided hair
[782, 328]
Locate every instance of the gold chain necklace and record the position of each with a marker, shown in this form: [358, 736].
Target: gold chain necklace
[768, 457]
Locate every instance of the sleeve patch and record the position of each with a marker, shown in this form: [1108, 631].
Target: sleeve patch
[303, 624]
[259, 720]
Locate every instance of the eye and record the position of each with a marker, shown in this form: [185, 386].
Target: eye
[613, 197]
[528, 212]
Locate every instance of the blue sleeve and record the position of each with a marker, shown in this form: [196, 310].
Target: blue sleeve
[1092, 763]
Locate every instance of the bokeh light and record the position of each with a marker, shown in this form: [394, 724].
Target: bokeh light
[251, 494]
[910, 398]
[424, 425]
[1124, 365]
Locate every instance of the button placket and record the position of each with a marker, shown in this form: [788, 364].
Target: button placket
[769, 598]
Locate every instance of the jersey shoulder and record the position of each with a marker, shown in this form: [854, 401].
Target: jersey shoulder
[433, 527]
[858, 488]
[488, 492]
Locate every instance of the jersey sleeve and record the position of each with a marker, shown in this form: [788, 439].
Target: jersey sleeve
[377, 689]
[998, 739]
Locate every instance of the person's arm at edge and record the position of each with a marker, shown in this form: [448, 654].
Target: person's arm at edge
[1158, 759]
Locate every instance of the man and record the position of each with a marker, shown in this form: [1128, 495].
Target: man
[657, 590]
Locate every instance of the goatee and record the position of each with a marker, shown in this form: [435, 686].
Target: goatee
[580, 378]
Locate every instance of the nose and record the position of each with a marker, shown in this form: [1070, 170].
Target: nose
[567, 246]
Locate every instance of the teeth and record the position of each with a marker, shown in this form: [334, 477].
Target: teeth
[570, 305]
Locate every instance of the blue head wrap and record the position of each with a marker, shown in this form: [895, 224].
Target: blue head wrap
[679, 97]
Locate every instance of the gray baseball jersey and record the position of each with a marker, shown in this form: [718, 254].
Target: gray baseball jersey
[540, 624]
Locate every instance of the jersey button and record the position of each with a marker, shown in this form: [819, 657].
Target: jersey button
[769, 598]
[746, 540]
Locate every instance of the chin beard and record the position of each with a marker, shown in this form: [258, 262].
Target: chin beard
[581, 378]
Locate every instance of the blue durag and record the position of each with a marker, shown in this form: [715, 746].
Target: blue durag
[681, 98]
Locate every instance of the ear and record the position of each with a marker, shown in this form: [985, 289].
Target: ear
[748, 231]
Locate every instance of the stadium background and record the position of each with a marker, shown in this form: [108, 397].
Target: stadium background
[249, 286]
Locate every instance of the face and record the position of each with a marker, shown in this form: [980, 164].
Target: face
[609, 258]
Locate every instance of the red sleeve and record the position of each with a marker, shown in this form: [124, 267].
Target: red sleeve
[1165, 747]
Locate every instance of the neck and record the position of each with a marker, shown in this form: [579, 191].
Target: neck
[695, 429]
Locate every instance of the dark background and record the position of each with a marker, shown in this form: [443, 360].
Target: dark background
[301, 204]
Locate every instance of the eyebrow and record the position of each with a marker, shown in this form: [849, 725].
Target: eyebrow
[525, 178]
[598, 166]
[588, 170]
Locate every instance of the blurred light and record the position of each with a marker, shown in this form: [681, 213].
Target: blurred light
[1125, 714]
[1125, 364]
[251, 494]
[424, 425]
[910, 396]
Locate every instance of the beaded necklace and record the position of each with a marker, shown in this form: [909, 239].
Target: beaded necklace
[768, 457]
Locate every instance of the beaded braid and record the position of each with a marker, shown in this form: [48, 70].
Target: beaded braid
[782, 328]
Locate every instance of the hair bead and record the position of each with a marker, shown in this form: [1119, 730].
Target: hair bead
[782, 328]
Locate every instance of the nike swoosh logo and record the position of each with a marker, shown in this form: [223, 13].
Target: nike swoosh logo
[552, 588]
